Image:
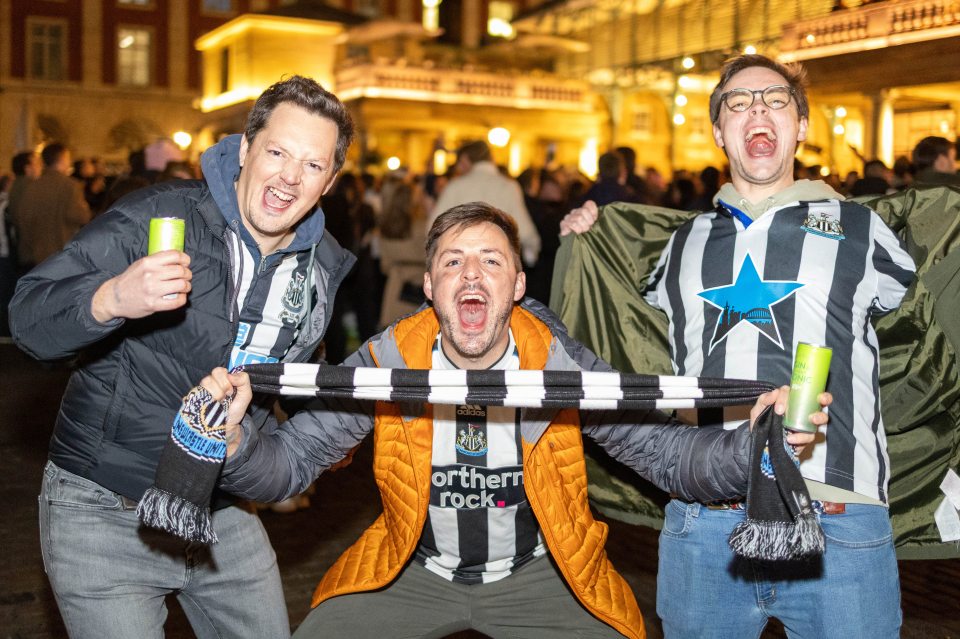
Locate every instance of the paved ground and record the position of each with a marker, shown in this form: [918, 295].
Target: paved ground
[308, 541]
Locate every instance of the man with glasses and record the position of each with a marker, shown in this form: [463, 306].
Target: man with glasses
[778, 262]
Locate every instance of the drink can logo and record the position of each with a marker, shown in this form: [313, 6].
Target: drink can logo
[811, 365]
[165, 233]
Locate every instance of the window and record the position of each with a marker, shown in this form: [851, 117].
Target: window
[133, 56]
[224, 70]
[368, 8]
[431, 15]
[498, 19]
[46, 49]
[700, 126]
[217, 6]
[642, 124]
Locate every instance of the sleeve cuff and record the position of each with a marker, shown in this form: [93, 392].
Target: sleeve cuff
[250, 435]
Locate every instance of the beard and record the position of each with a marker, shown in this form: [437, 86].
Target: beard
[473, 346]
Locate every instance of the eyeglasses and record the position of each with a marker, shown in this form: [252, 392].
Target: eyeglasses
[739, 100]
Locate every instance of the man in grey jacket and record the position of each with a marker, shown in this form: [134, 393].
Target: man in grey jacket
[486, 523]
[255, 283]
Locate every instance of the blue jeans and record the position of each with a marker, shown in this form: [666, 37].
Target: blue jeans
[110, 574]
[704, 591]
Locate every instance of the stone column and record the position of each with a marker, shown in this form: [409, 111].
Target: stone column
[473, 26]
[878, 138]
[91, 75]
[179, 45]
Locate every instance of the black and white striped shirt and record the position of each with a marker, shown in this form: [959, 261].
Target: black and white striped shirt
[479, 527]
[740, 295]
[272, 302]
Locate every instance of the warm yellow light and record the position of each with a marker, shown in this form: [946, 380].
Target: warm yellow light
[944, 127]
[498, 136]
[750, 49]
[840, 112]
[824, 171]
[838, 129]
[678, 119]
[244, 25]
[514, 164]
[500, 28]
[440, 162]
[431, 18]
[235, 96]
[182, 139]
[431, 4]
[680, 100]
[810, 38]
[685, 82]
[588, 158]
[688, 63]
[126, 42]
[393, 163]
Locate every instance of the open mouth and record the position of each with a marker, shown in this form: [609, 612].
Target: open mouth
[472, 310]
[761, 141]
[277, 199]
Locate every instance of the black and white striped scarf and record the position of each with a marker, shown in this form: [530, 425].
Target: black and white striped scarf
[583, 390]
[512, 388]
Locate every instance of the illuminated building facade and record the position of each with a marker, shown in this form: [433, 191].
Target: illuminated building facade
[104, 76]
[880, 80]
[560, 80]
[415, 91]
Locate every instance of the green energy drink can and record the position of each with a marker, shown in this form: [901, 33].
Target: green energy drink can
[811, 364]
[165, 233]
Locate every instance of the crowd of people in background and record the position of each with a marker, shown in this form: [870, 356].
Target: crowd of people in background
[382, 219]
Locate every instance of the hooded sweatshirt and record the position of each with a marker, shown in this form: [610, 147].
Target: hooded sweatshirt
[271, 290]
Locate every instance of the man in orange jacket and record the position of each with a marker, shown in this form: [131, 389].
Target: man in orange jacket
[486, 523]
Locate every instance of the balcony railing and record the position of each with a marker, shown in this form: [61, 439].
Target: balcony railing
[872, 26]
[462, 86]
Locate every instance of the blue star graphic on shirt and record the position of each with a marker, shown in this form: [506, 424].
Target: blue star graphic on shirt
[749, 299]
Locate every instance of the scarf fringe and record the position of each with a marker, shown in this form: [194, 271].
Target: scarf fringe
[174, 514]
[777, 540]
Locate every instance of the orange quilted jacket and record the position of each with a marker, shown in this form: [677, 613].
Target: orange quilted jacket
[555, 479]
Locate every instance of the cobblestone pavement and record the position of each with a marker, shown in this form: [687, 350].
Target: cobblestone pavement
[309, 540]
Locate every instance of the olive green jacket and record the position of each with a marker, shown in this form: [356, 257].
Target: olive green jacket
[597, 291]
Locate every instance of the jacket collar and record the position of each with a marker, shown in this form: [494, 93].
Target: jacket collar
[409, 344]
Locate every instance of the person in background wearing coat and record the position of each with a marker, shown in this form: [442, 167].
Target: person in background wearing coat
[479, 180]
[254, 283]
[52, 208]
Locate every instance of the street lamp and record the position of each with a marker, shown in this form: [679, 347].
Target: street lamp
[182, 139]
[498, 136]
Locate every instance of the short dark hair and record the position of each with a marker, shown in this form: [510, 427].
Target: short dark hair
[794, 74]
[307, 94]
[928, 150]
[609, 166]
[21, 161]
[874, 168]
[710, 177]
[468, 215]
[396, 219]
[475, 151]
[629, 157]
[52, 153]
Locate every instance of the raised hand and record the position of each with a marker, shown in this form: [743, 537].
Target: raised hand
[221, 384]
[158, 282]
[580, 220]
